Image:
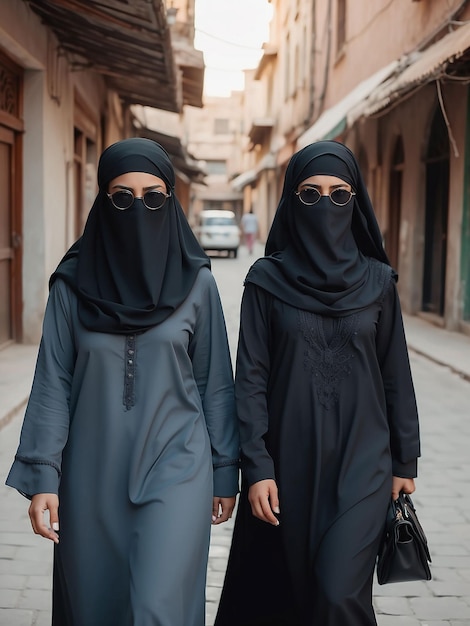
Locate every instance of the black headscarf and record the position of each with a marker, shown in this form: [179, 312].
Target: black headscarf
[323, 258]
[131, 269]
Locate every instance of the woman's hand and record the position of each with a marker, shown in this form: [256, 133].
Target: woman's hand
[40, 503]
[222, 509]
[407, 485]
[264, 500]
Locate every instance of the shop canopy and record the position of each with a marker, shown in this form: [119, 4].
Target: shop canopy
[333, 121]
[131, 45]
[439, 61]
[443, 60]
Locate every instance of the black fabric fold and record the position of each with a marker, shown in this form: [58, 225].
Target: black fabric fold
[324, 258]
[131, 269]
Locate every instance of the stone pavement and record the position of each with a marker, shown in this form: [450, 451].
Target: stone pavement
[441, 369]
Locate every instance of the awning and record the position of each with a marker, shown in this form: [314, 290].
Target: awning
[181, 160]
[131, 45]
[269, 55]
[243, 179]
[333, 121]
[260, 129]
[268, 162]
[191, 65]
[421, 68]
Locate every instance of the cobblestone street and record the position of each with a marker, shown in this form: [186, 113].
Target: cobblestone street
[440, 363]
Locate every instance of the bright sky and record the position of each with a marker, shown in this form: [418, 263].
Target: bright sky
[231, 34]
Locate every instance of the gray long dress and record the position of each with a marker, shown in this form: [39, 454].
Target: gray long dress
[135, 433]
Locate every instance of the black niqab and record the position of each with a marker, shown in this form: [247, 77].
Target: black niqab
[323, 258]
[131, 269]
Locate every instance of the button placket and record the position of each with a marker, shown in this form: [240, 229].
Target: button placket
[129, 372]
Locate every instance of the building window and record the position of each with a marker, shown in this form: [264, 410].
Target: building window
[341, 25]
[221, 126]
[217, 167]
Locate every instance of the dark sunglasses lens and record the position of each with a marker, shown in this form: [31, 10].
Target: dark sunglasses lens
[340, 196]
[154, 200]
[310, 195]
[122, 199]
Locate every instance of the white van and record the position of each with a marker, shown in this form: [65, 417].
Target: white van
[218, 230]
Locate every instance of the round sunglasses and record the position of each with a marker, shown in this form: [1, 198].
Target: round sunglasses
[311, 195]
[124, 199]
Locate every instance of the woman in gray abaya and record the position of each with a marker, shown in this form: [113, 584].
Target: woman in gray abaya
[326, 406]
[129, 439]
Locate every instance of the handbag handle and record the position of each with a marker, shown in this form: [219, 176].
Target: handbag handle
[405, 509]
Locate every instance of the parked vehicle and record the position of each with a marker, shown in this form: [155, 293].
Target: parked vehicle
[217, 230]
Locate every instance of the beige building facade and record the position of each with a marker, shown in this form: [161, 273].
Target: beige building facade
[70, 74]
[390, 80]
[213, 135]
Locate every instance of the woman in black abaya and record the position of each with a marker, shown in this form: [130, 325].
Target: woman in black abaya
[325, 402]
[130, 425]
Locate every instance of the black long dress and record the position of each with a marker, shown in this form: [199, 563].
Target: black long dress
[327, 409]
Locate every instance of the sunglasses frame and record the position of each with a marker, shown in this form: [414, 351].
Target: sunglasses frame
[297, 193]
[130, 194]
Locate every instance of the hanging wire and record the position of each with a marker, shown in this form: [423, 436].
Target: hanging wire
[226, 41]
[446, 119]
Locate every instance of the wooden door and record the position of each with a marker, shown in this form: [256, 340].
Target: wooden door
[10, 242]
[11, 128]
[6, 248]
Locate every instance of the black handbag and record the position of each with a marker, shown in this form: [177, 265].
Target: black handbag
[404, 553]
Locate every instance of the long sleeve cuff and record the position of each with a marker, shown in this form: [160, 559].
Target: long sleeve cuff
[405, 470]
[226, 480]
[30, 478]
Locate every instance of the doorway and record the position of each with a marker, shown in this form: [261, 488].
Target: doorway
[392, 239]
[436, 217]
[11, 127]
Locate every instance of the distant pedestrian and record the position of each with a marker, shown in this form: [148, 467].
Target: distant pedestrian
[249, 225]
[326, 406]
[129, 439]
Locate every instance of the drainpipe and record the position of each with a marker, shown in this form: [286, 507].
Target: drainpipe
[313, 43]
[326, 72]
